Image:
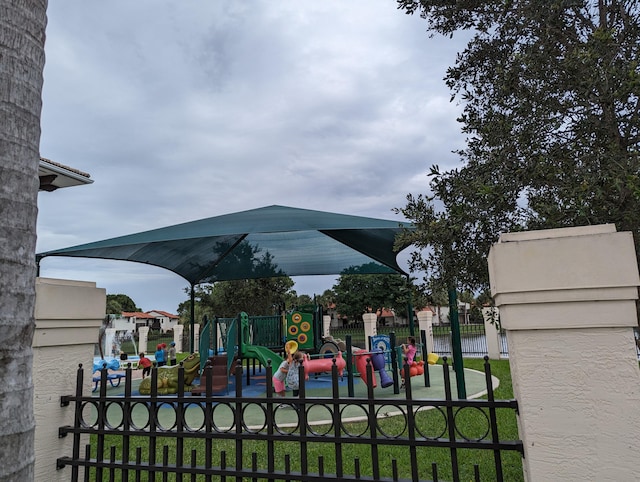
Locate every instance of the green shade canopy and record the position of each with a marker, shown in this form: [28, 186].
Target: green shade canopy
[259, 243]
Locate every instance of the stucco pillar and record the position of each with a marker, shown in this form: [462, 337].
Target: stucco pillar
[425, 322]
[567, 303]
[492, 334]
[326, 325]
[68, 317]
[334, 321]
[370, 328]
[196, 339]
[110, 347]
[143, 338]
[177, 337]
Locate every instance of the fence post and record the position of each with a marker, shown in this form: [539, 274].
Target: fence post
[567, 300]
[491, 332]
[68, 317]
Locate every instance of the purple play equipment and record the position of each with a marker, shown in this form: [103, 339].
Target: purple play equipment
[378, 363]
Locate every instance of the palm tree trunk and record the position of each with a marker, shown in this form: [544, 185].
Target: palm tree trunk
[22, 34]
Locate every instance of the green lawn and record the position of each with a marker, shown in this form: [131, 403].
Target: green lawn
[474, 424]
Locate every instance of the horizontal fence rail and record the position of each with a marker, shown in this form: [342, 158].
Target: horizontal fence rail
[390, 440]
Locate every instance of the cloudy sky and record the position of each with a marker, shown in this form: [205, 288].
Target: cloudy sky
[192, 109]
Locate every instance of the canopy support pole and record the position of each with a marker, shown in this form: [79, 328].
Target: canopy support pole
[192, 321]
[456, 343]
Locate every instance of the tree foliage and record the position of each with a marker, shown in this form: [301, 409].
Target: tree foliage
[327, 299]
[225, 299]
[356, 294]
[550, 91]
[116, 304]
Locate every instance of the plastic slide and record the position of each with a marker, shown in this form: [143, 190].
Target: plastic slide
[230, 348]
[262, 354]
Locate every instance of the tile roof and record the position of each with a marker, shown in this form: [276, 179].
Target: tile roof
[164, 313]
[54, 175]
[136, 314]
[66, 168]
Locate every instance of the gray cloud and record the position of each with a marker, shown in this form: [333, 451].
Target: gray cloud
[184, 110]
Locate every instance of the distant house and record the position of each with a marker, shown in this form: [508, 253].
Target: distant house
[155, 320]
[336, 318]
[163, 321]
[441, 314]
[386, 317]
[132, 320]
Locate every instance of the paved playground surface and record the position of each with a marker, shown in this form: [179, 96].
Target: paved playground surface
[254, 410]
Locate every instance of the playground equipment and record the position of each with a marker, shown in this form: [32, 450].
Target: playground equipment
[111, 364]
[260, 337]
[415, 369]
[378, 361]
[113, 378]
[304, 327]
[218, 376]
[167, 377]
[291, 347]
[324, 364]
[237, 346]
[377, 364]
[263, 338]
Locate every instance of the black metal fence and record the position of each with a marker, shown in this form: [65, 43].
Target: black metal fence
[395, 438]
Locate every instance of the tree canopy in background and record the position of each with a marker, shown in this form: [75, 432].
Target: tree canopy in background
[356, 294]
[353, 294]
[225, 299]
[116, 304]
[549, 91]
[327, 299]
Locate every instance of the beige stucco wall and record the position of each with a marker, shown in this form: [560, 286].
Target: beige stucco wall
[578, 391]
[567, 301]
[68, 317]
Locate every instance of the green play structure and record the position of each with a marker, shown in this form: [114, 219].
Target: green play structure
[263, 337]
